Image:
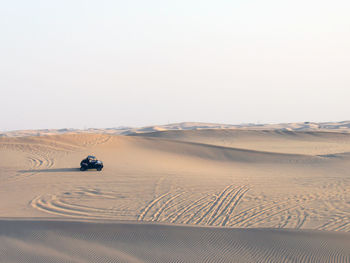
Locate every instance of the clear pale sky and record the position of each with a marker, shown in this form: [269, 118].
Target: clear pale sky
[110, 63]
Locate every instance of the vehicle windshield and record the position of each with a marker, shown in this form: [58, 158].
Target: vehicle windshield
[91, 158]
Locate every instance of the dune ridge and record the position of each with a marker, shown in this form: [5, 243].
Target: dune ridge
[294, 142]
[342, 126]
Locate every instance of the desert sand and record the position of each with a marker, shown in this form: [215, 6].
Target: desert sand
[204, 195]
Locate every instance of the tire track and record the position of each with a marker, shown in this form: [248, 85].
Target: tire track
[285, 222]
[178, 206]
[150, 205]
[336, 224]
[158, 212]
[228, 200]
[214, 204]
[99, 140]
[342, 226]
[269, 216]
[105, 140]
[333, 221]
[340, 207]
[42, 205]
[302, 221]
[234, 201]
[74, 207]
[246, 215]
[202, 207]
[214, 215]
[95, 193]
[188, 208]
[57, 206]
[35, 162]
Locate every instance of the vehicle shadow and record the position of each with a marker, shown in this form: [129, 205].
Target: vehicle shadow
[55, 170]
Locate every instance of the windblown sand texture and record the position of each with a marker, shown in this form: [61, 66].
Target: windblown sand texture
[208, 195]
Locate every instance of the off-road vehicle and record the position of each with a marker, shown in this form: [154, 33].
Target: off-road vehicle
[91, 162]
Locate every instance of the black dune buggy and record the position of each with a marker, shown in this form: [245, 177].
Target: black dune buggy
[91, 162]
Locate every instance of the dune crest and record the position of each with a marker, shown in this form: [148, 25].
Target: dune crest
[342, 127]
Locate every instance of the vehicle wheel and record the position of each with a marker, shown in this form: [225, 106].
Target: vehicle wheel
[99, 168]
[82, 168]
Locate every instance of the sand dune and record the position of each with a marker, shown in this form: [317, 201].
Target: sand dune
[239, 181]
[69, 241]
[339, 127]
[310, 143]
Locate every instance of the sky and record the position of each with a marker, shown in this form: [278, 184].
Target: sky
[81, 64]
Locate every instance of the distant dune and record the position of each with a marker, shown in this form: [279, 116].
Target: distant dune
[185, 195]
[282, 141]
[343, 127]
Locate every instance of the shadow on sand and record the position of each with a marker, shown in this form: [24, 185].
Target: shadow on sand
[57, 170]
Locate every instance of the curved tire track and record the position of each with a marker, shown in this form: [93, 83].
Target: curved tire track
[143, 214]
